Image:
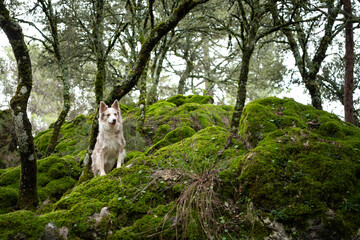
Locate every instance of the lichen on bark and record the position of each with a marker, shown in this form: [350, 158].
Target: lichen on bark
[28, 196]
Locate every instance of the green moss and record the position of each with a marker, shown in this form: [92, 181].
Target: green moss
[201, 99]
[10, 177]
[55, 176]
[174, 136]
[133, 154]
[159, 108]
[152, 224]
[178, 100]
[300, 166]
[332, 129]
[296, 172]
[20, 225]
[165, 116]
[56, 188]
[8, 199]
[160, 133]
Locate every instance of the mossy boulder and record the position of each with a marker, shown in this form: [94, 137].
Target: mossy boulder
[8, 199]
[139, 196]
[181, 99]
[193, 111]
[303, 165]
[174, 136]
[293, 172]
[55, 177]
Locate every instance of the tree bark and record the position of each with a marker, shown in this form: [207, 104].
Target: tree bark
[100, 79]
[154, 37]
[142, 103]
[241, 92]
[28, 195]
[349, 63]
[99, 50]
[209, 86]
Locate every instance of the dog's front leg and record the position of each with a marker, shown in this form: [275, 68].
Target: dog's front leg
[102, 163]
[121, 157]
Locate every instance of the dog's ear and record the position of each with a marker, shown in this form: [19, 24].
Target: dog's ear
[115, 105]
[103, 107]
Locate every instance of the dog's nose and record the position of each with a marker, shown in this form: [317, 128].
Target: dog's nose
[113, 121]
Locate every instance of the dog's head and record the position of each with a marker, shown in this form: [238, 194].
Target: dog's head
[110, 115]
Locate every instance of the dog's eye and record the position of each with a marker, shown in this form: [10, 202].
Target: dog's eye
[115, 114]
[108, 115]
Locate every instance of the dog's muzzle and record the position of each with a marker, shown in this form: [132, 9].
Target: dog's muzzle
[112, 122]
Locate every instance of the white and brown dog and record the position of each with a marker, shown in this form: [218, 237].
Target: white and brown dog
[110, 142]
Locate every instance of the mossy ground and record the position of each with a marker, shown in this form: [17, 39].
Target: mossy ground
[291, 164]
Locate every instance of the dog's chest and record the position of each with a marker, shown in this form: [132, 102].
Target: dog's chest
[112, 143]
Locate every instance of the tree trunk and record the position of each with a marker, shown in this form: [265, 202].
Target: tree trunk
[314, 90]
[153, 93]
[349, 64]
[64, 112]
[309, 68]
[185, 75]
[241, 93]
[142, 103]
[100, 79]
[209, 86]
[28, 196]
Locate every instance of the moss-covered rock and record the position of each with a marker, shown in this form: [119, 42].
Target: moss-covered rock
[193, 111]
[302, 165]
[8, 199]
[172, 137]
[181, 99]
[55, 177]
[293, 172]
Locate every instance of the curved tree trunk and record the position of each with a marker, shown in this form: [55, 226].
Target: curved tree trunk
[155, 35]
[28, 196]
[136, 71]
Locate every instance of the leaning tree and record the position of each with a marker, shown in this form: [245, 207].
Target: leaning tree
[28, 195]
